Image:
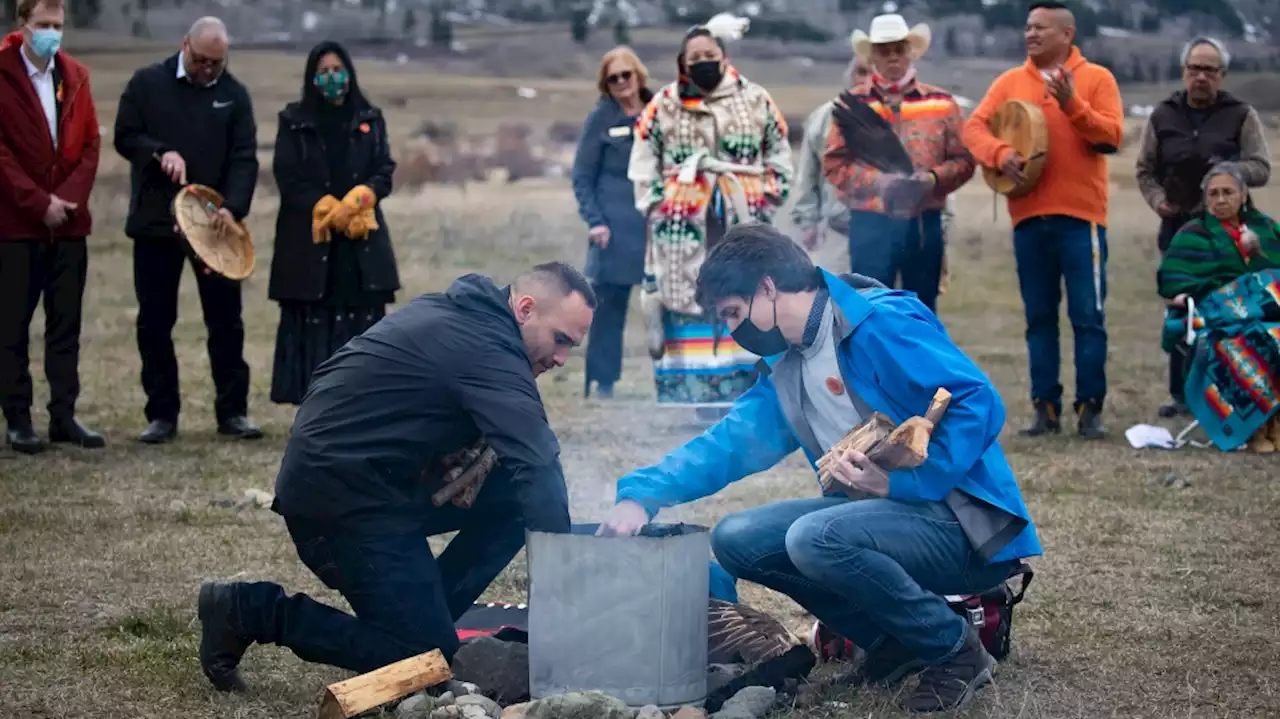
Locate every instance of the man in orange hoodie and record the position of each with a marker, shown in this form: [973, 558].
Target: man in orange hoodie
[1059, 228]
[48, 159]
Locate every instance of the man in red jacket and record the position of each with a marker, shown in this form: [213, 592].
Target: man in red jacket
[48, 159]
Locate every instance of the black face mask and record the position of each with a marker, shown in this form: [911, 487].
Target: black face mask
[706, 74]
[760, 342]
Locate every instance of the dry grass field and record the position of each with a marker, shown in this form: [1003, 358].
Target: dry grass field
[1155, 598]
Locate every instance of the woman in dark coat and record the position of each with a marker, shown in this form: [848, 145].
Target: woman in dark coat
[606, 202]
[331, 274]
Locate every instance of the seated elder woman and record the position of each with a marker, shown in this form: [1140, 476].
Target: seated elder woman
[1220, 276]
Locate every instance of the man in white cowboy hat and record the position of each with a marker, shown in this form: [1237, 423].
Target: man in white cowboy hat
[888, 239]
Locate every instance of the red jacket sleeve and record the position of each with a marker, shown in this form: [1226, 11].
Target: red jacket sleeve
[15, 183]
[79, 182]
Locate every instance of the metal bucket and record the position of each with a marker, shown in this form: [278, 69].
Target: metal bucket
[626, 616]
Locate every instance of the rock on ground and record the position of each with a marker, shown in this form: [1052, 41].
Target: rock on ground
[483, 703]
[577, 705]
[417, 706]
[515, 711]
[454, 711]
[651, 712]
[689, 713]
[750, 703]
[720, 674]
[460, 689]
[500, 669]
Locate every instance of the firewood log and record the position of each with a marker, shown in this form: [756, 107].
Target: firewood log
[468, 495]
[905, 446]
[361, 693]
[468, 478]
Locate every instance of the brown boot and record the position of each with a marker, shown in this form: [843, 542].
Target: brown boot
[1273, 430]
[1260, 442]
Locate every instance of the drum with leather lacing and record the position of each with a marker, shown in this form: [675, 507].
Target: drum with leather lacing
[1021, 124]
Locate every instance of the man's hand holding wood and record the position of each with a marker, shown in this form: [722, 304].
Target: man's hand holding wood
[853, 469]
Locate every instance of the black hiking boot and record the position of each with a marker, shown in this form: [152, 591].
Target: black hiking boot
[221, 642]
[1089, 424]
[952, 685]
[1047, 420]
[888, 663]
[1176, 407]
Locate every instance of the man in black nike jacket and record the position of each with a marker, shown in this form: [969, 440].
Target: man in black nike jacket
[187, 120]
[428, 380]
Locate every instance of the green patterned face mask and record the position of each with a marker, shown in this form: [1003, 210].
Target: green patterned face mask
[332, 84]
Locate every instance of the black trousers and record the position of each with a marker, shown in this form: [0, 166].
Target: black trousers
[157, 272]
[55, 271]
[604, 340]
[404, 600]
[1169, 227]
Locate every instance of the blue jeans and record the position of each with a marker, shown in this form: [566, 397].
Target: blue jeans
[867, 569]
[405, 599]
[1048, 251]
[882, 247]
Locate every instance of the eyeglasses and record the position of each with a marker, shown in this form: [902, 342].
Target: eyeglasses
[1206, 70]
[619, 77]
[212, 63]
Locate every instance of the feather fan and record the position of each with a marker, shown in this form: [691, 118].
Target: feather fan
[738, 634]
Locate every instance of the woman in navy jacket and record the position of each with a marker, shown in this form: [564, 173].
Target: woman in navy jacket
[606, 202]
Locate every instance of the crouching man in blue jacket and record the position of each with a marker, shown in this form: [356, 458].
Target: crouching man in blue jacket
[875, 569]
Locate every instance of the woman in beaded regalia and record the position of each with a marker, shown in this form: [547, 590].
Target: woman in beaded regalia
[710, 151]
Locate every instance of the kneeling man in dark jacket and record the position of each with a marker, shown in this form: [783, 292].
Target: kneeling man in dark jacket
[444, 372]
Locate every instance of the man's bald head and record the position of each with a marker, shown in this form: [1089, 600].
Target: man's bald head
[554, 305]
[208, 27]
[1050, 32]
[204, 50]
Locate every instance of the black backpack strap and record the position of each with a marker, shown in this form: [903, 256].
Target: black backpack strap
[1024, 570]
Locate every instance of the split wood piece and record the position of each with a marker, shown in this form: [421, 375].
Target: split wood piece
[463, 483]
[468, 496]
[903, 447]
[448, 468]
[359, 694]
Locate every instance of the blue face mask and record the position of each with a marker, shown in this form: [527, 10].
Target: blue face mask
[45, 42]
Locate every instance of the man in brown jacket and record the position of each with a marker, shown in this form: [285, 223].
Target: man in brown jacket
[48, 159]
